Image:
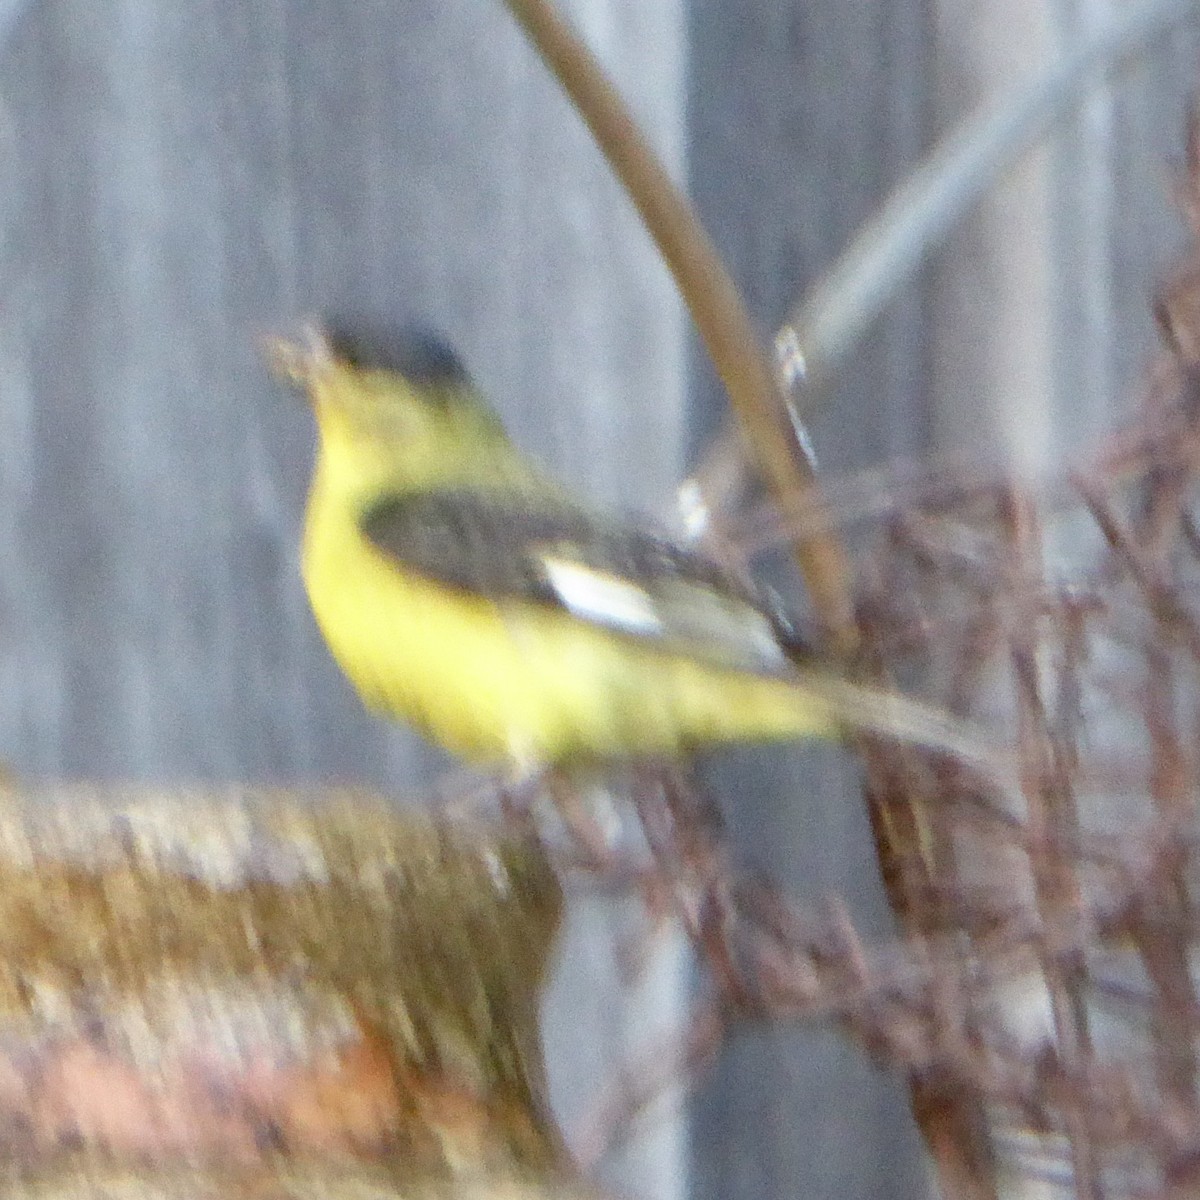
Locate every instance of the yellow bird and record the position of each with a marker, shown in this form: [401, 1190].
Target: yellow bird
[463, 590]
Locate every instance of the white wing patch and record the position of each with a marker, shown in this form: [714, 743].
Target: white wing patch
[603, 598]
[674, 611]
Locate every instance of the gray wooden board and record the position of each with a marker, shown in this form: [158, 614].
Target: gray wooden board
[179, 181]
[176, 180]
[802, 117]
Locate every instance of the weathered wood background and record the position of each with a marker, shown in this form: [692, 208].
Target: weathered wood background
[176, 180]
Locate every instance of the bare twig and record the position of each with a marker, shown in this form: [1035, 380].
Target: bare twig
[711, 295]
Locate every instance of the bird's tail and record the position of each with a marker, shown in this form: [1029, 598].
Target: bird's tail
[887, 713]
[890, 714]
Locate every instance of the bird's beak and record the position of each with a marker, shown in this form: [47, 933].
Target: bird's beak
[299, 361]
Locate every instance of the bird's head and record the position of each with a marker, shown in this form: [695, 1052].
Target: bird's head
[398, 396]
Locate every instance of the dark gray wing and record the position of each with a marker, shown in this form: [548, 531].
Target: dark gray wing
[624, 578]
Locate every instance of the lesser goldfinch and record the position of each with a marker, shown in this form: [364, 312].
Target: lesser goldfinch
[465, 591]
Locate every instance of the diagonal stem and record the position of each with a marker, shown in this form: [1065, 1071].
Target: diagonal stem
[713, 299]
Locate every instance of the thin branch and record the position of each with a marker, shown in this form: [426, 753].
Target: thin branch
[745, 368]
[828, 324]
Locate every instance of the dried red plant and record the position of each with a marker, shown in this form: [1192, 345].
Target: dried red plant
[1066, 620]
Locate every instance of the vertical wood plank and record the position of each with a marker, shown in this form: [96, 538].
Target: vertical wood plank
[176, 182]
[803, 117]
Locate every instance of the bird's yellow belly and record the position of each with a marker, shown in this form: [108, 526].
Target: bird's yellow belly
[521, 681]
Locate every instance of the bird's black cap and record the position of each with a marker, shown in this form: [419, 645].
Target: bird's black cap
[420, 355]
